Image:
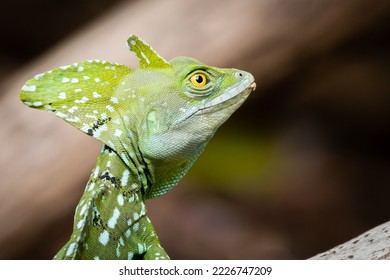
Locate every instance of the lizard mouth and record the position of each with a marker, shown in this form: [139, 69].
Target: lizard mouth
[229, 96]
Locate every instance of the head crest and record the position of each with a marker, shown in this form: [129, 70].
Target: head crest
[146, 54]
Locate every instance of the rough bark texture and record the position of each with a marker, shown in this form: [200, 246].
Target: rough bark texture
[371, 245]
[44, 162]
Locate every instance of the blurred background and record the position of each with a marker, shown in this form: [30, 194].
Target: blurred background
[302, 166]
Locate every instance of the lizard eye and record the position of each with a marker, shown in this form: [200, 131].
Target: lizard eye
[199, 80]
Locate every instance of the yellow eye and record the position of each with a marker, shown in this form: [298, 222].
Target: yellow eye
[199, 80]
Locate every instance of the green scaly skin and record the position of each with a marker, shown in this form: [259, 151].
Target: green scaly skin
[154, 122]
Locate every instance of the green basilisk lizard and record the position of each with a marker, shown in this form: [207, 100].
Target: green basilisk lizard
[154, 122]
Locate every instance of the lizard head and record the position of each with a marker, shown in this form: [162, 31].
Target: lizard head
[158, 117]
[187, 104]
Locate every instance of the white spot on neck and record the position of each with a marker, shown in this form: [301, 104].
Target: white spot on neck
[120, 199]
[125, 178]
[104, 237]
[95, 173]
[80, 224]
[118, 132]
[70, 249]
[112, 221]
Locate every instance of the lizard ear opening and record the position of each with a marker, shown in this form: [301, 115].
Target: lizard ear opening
[146, 54]
[81, 94]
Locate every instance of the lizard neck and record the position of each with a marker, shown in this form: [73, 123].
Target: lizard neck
[110, 220]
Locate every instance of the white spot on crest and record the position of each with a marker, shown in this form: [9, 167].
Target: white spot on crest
[37, 104]
[78, 90]
[96, 95]
[86, 77]
[61, 115]
[75, 119]
[104, 237]
[70, 249]
[30, 88]
[65, 80]
[73, 109]
[80, 69]
[112, 221]
[62, 95]
[133, 42]
[64, 67]
[125, 178]
[110, 108]
[91, 116]
[39, 76]
[114, 100]
[82, 100]
[74, 80]
[146, 59]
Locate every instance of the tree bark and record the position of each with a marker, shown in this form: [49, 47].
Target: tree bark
[371, 245]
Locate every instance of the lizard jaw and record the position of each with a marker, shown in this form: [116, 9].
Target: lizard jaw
[246, 86]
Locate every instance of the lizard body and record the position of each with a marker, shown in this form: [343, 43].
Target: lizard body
[154, 122]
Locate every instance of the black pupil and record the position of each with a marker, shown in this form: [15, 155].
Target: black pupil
[199, 79]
